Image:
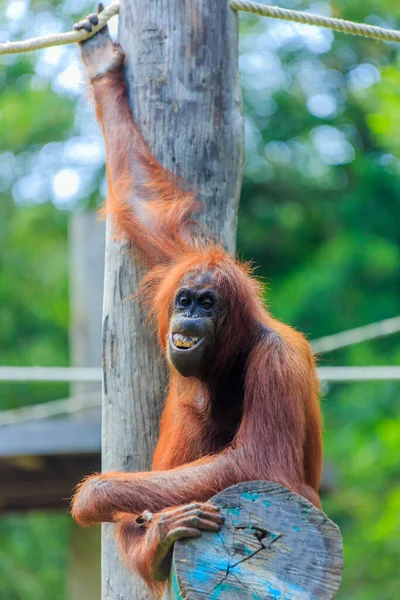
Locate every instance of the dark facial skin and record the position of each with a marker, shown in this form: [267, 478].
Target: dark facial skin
[192, 333]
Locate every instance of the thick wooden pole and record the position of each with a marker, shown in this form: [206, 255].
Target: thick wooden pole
[181, 68]
[86, 267]
[86, 257]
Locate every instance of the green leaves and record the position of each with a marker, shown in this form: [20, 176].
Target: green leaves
[327, 239]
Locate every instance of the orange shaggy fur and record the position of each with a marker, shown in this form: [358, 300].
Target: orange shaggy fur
[278, 432]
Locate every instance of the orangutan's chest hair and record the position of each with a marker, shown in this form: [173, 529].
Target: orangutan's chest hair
[221, 406]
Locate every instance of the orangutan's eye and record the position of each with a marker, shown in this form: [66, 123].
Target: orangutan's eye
[207, 303]
[184, 301]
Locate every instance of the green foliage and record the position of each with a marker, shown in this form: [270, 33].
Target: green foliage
[33, 296]
[383, 117]
[319, 214]
[363, 441]
[323, 228]
[33, 557]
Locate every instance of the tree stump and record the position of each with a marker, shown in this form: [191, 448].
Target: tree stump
[274, 545]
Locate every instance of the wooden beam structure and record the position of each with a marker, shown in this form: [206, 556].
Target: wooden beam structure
[43, 481]
[182, 75]
[274, 544]
[86, 269]
[57, 436]
[41, 461]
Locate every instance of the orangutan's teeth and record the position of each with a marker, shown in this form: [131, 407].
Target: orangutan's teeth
[182, 341]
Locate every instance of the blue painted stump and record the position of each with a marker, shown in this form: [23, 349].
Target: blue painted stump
[274, 545]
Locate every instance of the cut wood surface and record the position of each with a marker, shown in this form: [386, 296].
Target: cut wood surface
[274, 545]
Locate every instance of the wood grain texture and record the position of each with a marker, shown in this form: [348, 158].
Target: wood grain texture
[274, 545]
[181, 68]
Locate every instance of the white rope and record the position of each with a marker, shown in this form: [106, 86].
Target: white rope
[93, 400]
[68, 374]
[347, 374]
[356, 335]
[46, 410]
[275, 12]
[59, 39]
[94, 374]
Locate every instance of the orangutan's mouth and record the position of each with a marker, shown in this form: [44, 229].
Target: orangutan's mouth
[184, 342]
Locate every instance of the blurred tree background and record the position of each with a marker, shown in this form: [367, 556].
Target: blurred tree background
[319, 214]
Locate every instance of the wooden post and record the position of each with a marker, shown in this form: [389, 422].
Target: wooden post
[86, 267]
[181, 68]
[274, 544]
[86, 282]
